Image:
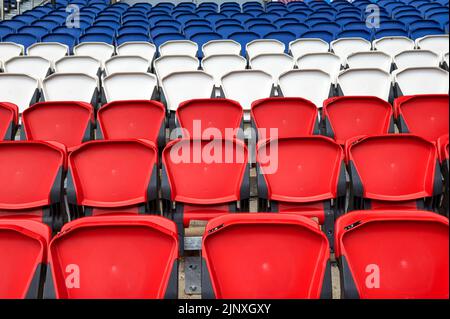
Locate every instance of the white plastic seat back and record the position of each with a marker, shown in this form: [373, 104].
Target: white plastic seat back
[264, 46]
[9, 50]
[437, 43]
[422, 81]
[365, 82]
[246, 87]
[393, 45]
[182, 86]
[416, 58]
[178, 47]
[48, 50]
[300, 47]
[9, 92]
[313, 85]
[126, 63]
[145, 50]
[327, 62]
[371, 59]
[219, 65]
[98, 50]
[129, 86]
[69, 87]
[174, 63]
[345, 46]
[219, 47]
[273, 64]
[78, 64]
[33, 66]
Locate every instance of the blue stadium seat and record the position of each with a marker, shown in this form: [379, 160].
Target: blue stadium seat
[76, 32]
[48, 24]
[221, 22]
[39, 32]
[282, 21]
[97, 37]
[4, 31]
[13, 24]
[300, 16]
[214, 17]
[132, 29]
[421, 32]
[63, 38]
[101, 30]
[423, 24]
[283, 36]
[186, 17]
[243, 38]
[197, 22]
[24, 39]
[271, 16]
[227, 29]
[388, 32]
[242, 17]
[132, 37]
[25, 18]
[440, 17]
[163, 37]
[262, 29]
[254, 21]
[106, 23]
[331, 27]
[157, 30]
[365, 34]
[192, 30]
[319, 34]
[296, 28]
[203, 37]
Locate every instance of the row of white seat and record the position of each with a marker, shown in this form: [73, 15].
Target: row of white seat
[244, 86]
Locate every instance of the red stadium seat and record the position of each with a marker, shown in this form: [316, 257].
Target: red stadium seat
[346, 117]
[423, 115]
[291, 116]
[69, 123]
[23, 252]
[9, 114]
[142, 119]
[265, 256]
[396, 171]
[210, 117]
[113, 176]
[31, 181]
[205, 178]
[393, 255]
[135, 257]
[303, 175]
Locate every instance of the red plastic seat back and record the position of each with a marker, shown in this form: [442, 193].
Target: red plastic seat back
[349, 116]
[394, 167]
[259, 256]
[218, 117]
[204, 172]
[132, 119]
[23, 251]
[114, 257]
[302, 169]
[69, 123]
[112, 173]
[8, 120]
[393, 254]
[291, 116]
[423, 115]
[30, 171]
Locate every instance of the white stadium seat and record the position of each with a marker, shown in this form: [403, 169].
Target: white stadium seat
[327, 62]
[216, 47]
[48, 50]
[417, 58]
[33, 66]
[436, 43]
[365, 82]
[371, 59]
[273, 63]
[9, 50]
[23, 97]
[126, 63]
[300, 47]
[425, 80]
[178, 47]
[263, 46]
[70, 87]
[129, 86]
[98, 50]
[219, 65]
[143, 49]
[78, 64]
[393, 45]
[345, 46]
[174, 63]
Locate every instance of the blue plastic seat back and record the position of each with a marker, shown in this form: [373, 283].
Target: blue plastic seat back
[389, 32]
[198, 22]
[155, 18]
[312, 21]
[63, 38]
[132, 37]
[24, 39]
[203, 13]
[365, 34]
[243, 38]
[423, 24]
[421, 32]
[97, 37]
[299, 16]
[319, 34]
[168, 22]
[164, 37]
[158, 30]
[282, 21]
[195, 29]
[332, 27]
[296, 28]
[262, 29]
[133, 29]
[283, 36]
[39, 32]
[441, 18]
[344, 20]
[76, 32]
[186, 17]
[242, 17]
[110, 24]
[271, 16]
[48, 24]
[13, 24]
[26, 18]
[58, 19]
[204, 37]
[101, 29]
[4, 31]
[254, 21]
[214, 17]
[408, 19]
[227, 29]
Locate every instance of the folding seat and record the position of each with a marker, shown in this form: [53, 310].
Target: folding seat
[290, 116]
[410, 81]
[218, 47]
[312, 84]
[441, 17]
[110, 31]
[33, 66]
[63, 38]
[424, 31]
[274, 64]
[179, 47]
[37, 192]
[264, 46]
[423, 115]
[132, 37]
[346, 117]
[226, 21]
[397, 171]
[70, 87]
[315, 169]
[393, 45]
[14, 24]
[300, 47]
[262, 29]
[362, 238]
[23, 250]
[74, 64]
[9, 50]
[28, 93]
[126, 63]
[423, 24]
[226, 174]
[436, 43]
[227, 262]
[298, 29]
[214, 17]
[76, 32]
[242, 16]
[48, 24]
[97, 50]
[167, 64]
[5, 30]
[243, 38]
[346, 46]
[280, 22]
[201, 38]
[247, 86]
[219, 118]
[218, 65]
[68, 123]
[144, 248]
[195, 29]
[37, 31]
[9, 118]
[327, 62]
[24, 39]
[129, 86]
[181, 86]
[97, 37]
[370, 59]
[416, 58]
[285, 37]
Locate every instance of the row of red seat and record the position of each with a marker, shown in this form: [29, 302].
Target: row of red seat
[342, 118]
[244, 256]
